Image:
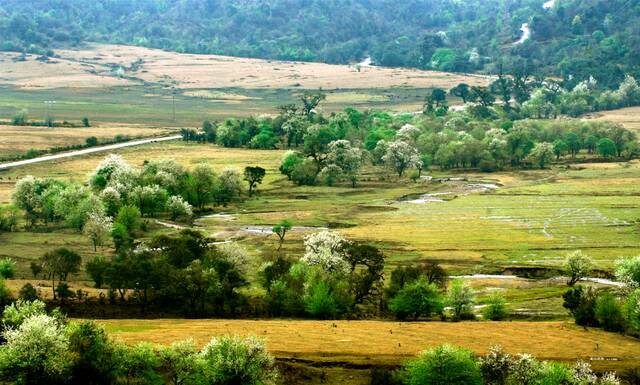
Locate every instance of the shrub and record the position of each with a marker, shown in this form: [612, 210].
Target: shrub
[94, 360]
[416, 300]
[7, 268]
[28, 293]
[444, 365]
[581, 304]
[496, 309]
[236, 360]
[554, 373]
[14, 315]
[496, 366]
[525, 370]
[608, 312]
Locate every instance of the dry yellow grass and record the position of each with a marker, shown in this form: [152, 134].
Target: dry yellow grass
[17, 140]
[628, 117]
[392, 342]
[93, 67]
[33, 74]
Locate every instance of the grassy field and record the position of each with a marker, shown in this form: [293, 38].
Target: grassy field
[381, 342]
[88, 82]
[17, 140]
[532, 219]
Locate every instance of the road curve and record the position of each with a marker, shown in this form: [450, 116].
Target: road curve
[91, 150]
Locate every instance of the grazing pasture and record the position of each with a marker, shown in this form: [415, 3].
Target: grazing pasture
[380, 342]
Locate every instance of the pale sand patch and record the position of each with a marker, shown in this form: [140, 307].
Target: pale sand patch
[93, 66]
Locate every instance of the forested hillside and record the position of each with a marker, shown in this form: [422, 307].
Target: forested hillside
[573, 37]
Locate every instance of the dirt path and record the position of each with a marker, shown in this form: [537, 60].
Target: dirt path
[70, 154]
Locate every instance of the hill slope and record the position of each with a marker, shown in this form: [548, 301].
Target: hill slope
[574, 37]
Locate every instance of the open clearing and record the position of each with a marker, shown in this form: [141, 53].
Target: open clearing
[382, 342]
[628, 117]
[97, 66]
[134, 85]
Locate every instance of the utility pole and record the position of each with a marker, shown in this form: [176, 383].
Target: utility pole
[49, 107]
[173, 100]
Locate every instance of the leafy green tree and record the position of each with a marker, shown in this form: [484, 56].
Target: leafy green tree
[229, 187]
[289, 162]
[97, 269]
[444, 364]
[462, 91]
[316, 144]
[417, 299]
[36, 352]
[541, 154]
[253, 176]
[606, 148]
[91, 141]
[281, 230]
[93, 354]
[181, 363]
[559, 148]
[573, 143]
[202, 185]
[495, 309]
[577, 267]
[461, 298]
[59, 263]
[608, 312]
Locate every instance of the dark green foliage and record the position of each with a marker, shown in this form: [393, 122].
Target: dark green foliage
[581, 302]
[95, 361]
[91, 141]
[28, 292]
[608, 312]
[97, 269]
[253, 176]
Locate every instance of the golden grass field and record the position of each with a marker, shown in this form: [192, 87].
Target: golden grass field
[93, 67]
[378, 342]
[17, 140]
[628, 117]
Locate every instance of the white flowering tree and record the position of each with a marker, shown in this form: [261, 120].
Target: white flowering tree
[347, 158]
[178, 207]
[577, 266]
[401, 156]
[104, 172]
[26, 197]
[327, 250]
[237, 360]
[97, 228]
[37, 352]
[627, 271]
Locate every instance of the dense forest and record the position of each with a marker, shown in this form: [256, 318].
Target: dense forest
[572, 38]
